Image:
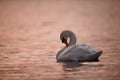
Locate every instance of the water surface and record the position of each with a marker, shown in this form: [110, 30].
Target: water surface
[29, 38]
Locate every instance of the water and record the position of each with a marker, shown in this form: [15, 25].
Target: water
[29, 39]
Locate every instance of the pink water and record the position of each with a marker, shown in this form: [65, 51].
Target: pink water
[29, 38]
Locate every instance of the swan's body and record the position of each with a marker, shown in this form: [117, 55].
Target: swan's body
[73, 52]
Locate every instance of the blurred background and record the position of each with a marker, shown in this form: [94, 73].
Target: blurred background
[29, 38]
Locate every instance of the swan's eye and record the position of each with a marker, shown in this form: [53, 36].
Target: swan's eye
[63, 39]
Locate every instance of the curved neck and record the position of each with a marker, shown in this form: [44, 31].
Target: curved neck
[72, 39]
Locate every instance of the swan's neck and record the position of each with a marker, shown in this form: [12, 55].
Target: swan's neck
[72, 39]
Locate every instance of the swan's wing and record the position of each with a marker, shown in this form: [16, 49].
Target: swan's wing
[76, 50]
[80, 54]
[87, 54]
[87, 48]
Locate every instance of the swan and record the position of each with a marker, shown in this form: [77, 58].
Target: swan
[74, 52]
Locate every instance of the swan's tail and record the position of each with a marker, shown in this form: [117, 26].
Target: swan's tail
[99, 53]
[95, 57]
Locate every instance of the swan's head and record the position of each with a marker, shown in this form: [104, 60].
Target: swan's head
[67, 34]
